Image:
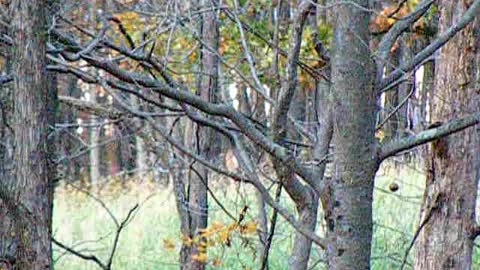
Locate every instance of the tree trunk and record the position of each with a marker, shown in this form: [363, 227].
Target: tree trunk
[94, 139]
[28, 198]
[302, 246]
[94, 131]
[446, 240]
[391, 101]
[7, 239]
[404, 88]
[348, 212]
[206, 143]
[307, 212]
[141, 154]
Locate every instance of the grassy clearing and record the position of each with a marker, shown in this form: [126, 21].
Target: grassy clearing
[81, 222]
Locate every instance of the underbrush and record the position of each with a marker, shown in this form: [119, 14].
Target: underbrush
[151, 240]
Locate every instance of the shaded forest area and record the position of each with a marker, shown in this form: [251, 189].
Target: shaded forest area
[239, 134]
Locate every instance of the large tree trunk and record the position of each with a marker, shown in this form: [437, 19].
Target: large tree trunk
[7, 239]
[348, 212]
[446, 240]
[28, 197]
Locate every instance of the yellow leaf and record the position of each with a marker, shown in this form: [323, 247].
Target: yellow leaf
[202, 246]
[248, 228]
[168, 244]
[207, 232]
[380, 134]
[223, 235]
[217, 225]
[201, 257]
[217, 262]
[186, 240]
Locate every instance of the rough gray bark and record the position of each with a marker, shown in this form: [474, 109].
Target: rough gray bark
[7, 240]
[349, 211]
[446, 241]
[28, 197]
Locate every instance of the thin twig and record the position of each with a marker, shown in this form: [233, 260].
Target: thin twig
[89, 257]
[272, 230]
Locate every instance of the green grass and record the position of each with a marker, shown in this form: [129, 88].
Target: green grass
[80, 221]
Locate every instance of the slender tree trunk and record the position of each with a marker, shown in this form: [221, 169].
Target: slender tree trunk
[28, 198]
[391, 101]
[404, 88]
[258, 112]
[349, 211]
[302, 246]
[321, 115]
[446, 241]
[94, 131]
[94, 136]
[307, 211]
[141, 155]
[206, 138]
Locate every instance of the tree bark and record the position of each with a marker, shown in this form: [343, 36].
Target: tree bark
[94, 131]
[206, 143]
[446, 241]
[302, 246]
[28, 198]
[348, 212]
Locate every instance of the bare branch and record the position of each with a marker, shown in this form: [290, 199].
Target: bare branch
[248, 56]
[5, 79]
[472, 12]
[395, 110]
[453, 126]
[245, 162]
[89, 257]
[289, 87]
[91, 107]
[117, 234]
[434, 206]
[252, 177]
[271, 234]
[119, 228]
[272, 44]
[397, 29]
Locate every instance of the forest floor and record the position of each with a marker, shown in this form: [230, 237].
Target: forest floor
[151, 239]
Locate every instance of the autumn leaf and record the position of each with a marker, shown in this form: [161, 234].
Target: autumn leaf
[248, 228]
[201, 257]
[168, 244]
[217, 262]
[186, 240]
[380, 134]
[224, 235]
